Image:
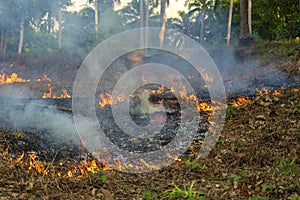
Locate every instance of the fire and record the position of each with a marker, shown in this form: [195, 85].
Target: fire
[160, 90]
[240, 101]
[265, 91]
[107, 99]
[44, 78]
[5, 79]
[39, 166]
[51, 94]
[276, 93]
[191, 97]
[204, 106]
[81, 169]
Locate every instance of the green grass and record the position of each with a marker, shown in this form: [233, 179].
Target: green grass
[186, 193]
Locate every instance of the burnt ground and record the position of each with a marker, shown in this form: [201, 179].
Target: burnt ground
[256, 157]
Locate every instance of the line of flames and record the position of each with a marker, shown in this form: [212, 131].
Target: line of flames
[14, 78]
[81, 169]
[51, 94]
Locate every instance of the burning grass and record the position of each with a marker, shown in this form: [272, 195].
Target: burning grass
[256, 157]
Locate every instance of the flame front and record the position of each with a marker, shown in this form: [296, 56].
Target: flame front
[5, 79]
[81, 169]
[240, 101]
[51, 94]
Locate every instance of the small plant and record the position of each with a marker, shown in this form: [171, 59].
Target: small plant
[266, 186]
[237, 143]
[149, 196]
[283, 167]
[193, 165]
[103, 178]
[99, 178]
[235, 177]
[231, 112]
[221, 142]
[296, 198]
[244, 172]
[186, 193]
[259, 198]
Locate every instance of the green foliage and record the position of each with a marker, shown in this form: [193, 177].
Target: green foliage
[276, 19]
[231, 111]
[221, 142]
[296, 198]
[149, 196]
[102, 178]
[255, 197]
[286, 167]
[186, 193]
[235, 177]
[237, 143]
[193, 165]
[266, 186]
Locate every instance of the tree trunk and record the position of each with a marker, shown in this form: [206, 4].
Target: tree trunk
[2, 38]
[59, 28]
[96, 19]
[21, 38]
[250, 16]
[6, 42]
[142, 43]
[245, 37]
[229, 22]
[163, 21]
[202, 22]
[147, 25]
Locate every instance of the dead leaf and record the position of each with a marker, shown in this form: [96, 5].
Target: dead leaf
[261, 117]
[107, 195]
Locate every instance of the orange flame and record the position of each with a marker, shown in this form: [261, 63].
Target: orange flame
[204, 106]
[81, 169]
[51, 93]
[5, 79]
[44, 78]
[107, 99]
[37, 165]
[240, 101]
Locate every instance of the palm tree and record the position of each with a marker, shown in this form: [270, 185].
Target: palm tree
[250, 16]
[163, 20]
[201, 6]
[134, 16]
[245, 35]
[229, 22]
[101, 7]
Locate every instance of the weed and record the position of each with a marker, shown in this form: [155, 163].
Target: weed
[186, 193]
[235, 177]
[283, 167]
[259, 198]
[193, 165]
[149, 196]
[221, 142]
[231, 111]
[266, 186]
[237, 143]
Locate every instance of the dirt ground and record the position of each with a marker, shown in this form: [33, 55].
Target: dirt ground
[256, 157]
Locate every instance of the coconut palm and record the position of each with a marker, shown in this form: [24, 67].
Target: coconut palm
[245, 35]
